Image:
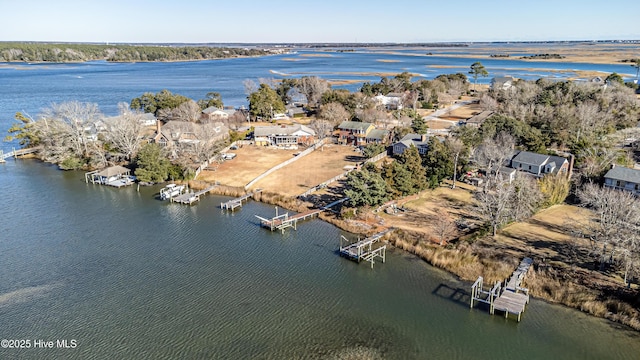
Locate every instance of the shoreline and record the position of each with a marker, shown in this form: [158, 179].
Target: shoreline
[468, 259]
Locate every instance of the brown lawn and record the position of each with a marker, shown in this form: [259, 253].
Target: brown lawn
[548, 235]
[311, 170]
[250, 162]
[463, 112]
[421, 209]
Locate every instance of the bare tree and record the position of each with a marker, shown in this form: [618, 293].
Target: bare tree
[312, 87]
[494, 202]
[595, 160]
[334, 113]
[187, 111]
[322, 127]
[250, 86]
[456, 149]
[618, 215]
[488, 103]
[526, 197]
[125, 132]
[443, 226]
[70, 124]
[493, 152]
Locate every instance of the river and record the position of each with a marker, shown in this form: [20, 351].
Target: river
[124, 275]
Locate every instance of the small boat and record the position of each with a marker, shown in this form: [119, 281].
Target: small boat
[171, 190]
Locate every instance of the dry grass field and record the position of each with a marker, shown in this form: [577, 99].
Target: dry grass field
[421, 210]
[250, 162]
[547, 235]
[311, 170]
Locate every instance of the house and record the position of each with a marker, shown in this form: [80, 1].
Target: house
[354, 132]
[147, 119]
[502, 83]
[296, 111]
[391, 101]
[477, 120]
[538, 164]
[623, 178]
[214, 113]
[420, 141]
[378, 136]
[176, 133]
[284, 135]
[506, 173]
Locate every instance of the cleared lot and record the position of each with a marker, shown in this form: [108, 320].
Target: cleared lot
[311, 170]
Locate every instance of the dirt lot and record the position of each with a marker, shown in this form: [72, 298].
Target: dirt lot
[311, 170]
[250, 162]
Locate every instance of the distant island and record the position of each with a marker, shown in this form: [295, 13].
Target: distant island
[543, 57]
[49, 52]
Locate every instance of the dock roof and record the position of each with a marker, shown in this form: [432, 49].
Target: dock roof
[113, 171]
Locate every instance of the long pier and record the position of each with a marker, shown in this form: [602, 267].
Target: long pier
[284, 221]
[191, 197]
[15, 153]
[236, 203]
[363, 249]
[510, 299]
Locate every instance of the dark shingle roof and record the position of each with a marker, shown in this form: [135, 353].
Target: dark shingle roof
[530, 158]
[624, 174]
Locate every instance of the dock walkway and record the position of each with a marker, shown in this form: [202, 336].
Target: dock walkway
[510, 299]
[191, 197]
[363, 249]
[236, 203]
[284, 221]
[15, 153]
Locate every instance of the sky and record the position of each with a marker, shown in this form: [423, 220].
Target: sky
[325, 21]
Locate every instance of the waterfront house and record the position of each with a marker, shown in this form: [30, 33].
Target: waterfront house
[284, 135]
[354, 132]
[420, 141]
[623, 178]
[539, 164]
[183, 133]
[391, 101]
[502, 83]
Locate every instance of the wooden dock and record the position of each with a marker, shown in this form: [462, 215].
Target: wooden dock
[236, 203]
[191, 197]
[510, 299]
[363, 249]
[284, 221]
[15, 153]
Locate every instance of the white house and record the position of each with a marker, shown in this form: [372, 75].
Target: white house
[391, 101]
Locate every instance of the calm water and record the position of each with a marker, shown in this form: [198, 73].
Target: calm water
[128, 276]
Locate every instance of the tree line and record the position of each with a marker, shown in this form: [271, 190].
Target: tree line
[45, 52]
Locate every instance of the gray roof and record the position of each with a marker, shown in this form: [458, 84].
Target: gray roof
[281, 130]
[354, 125]
[113, 171]
[415, 140]
[530, 158]
[624, 173]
